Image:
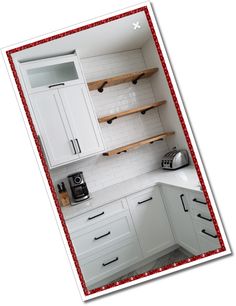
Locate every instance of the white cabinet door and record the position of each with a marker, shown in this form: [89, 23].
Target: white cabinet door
[53, 72]
[178, 211]
[54, 130]
[82, 119]
[150, 221]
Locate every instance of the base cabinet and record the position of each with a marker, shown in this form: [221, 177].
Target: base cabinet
[111, 238]
[110, 261]
[124, 233]
[150, 221]
[190, 219]
[181, 221]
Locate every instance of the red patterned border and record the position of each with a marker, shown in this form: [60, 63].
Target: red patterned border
[171, 88]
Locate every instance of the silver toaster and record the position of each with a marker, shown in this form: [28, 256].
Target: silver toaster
[175, 159]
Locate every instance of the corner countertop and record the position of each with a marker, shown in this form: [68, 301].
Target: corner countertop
[184, 178]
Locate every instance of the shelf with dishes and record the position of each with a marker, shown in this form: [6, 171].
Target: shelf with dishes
[142, 109]
[138, 144]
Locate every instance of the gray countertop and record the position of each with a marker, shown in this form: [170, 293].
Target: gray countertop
[184, 178]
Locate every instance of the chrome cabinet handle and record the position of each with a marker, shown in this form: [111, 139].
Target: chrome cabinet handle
[201, 202]
[182, 201]
[108, 233]
[204, 218]
[72, 142]
[208, 234]
[141, 202]
[109, 262]
[78, 145]
[90, 218]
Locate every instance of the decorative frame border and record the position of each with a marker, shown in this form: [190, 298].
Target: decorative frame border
[9, 53]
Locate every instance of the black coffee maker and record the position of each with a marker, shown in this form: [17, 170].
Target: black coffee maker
[78, 187]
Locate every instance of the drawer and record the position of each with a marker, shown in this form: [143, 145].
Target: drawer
[102, 234]
[110, 262]
[95, 215]
[203, 217]
[197, 201]
[207, 237]
[207, 245]
[141, 197]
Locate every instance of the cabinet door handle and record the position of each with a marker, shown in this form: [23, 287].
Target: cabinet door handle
[108, 233]
[54, 85]
[200, 216]
[208, 234]
[109, 262]
[141, 202]
[90, 218]
[201, 202]
[78, 145]
[182, 201]
[72, 142]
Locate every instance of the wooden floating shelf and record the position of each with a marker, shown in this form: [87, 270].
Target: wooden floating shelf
[138, 144]
[124, 78]
[141, 109]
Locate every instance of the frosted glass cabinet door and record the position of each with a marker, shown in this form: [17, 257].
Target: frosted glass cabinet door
[51, 73]
[54, 131]
[82, 119]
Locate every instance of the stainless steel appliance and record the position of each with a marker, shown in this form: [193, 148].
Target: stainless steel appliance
[175, 159]
[78, 187]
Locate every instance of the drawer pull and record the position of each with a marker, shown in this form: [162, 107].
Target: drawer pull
[182, 201]
[108, 233]
[204, 218]
[208, 234]
[109, 262]
[149, 199]
[90, 218]
[201, 202]
[54, 85]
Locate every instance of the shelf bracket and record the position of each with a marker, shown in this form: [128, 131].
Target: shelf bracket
[100, 89]
[135, 81]
[144, 111]
[157, 140]
[122, 152]
[110, 120]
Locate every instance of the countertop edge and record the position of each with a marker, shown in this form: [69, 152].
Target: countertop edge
[137, 184]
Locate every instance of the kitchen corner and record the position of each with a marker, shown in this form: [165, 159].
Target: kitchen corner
[183, 178]
[115, 143]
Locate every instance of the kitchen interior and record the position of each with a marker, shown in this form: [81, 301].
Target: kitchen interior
[116, 151]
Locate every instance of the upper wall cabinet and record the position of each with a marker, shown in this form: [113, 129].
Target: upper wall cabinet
[62, 110]
[53, 72]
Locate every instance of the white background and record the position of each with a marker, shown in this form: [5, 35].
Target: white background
[200, 40]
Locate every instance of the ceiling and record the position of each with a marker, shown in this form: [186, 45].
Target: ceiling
[115, 36]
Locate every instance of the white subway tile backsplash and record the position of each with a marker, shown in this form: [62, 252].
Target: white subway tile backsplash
[101, 171]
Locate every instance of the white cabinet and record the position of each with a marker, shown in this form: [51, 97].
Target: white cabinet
[203, 223]
[110, 261]
[52, 72]
[150, 221]
[105, 241]
[82, 120]
[53, 127]
[63, 112]
[176, 200]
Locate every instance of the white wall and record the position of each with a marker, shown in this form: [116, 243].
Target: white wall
[168, 114]
[102, 171]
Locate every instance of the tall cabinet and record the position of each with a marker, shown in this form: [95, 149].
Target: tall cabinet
[62, 109]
